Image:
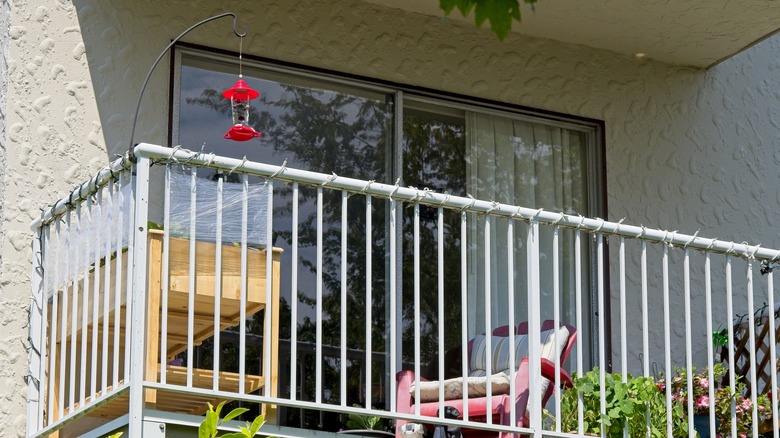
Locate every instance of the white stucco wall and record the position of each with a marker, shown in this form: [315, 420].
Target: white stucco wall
[686, 149]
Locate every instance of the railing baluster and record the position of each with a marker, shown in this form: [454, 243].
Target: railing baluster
[729, 312]
[164, 273]
[534, 326]
[579, 319]
[393, 304]
[294, 301]
[601, 323]
[242, 310]
[369, 302]
[510, 291]
[318, 329]
[645, 313]
[64, 313]
[772, 349]
[752, 347]
[191, 277]
[710, 352]
[440, 300]
[343, 325]
[623, 340]
[131, 244]
[667, 340]
[54, 288]
[416, 279]
[687, 321]
[86, 241]
[488, 320]
[95, 223]
[218, 283]
[119, 251]
[464, 321]
[74, 306]
[108, 211]
[269, 303]
[556, 324]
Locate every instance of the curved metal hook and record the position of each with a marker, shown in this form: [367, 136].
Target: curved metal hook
[130, 153]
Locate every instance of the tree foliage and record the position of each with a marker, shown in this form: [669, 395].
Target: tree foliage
[499, 13]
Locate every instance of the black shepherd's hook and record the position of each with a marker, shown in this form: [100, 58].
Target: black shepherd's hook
[130, 153]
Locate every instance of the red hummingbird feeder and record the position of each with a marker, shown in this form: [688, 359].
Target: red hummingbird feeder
[240, 95]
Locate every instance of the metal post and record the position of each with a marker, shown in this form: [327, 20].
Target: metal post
[138, 298]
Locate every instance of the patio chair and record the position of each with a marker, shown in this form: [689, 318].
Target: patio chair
[501, 404]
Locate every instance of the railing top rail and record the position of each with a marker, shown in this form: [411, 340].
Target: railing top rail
[406, 194]
[82, 192]
[427, 197]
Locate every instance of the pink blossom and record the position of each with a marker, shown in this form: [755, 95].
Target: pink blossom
[703, 402]
[704, 383]
[746, 403]
[742, 435]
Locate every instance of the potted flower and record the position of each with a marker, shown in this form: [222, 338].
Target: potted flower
[724, 398]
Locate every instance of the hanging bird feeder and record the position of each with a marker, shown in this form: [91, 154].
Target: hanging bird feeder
[240, 95]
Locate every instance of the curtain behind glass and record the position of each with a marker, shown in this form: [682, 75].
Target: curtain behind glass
[532, 165]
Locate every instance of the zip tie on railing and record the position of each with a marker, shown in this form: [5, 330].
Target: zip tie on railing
[329, 180]
[617, 226]
[468, 207]
[173, 152]
[280, 171]
[685, 246]
[243, 161]
[747, 248]
[210, 161]
[556, 221]
[601, 225]
[397, 186]
[367, 187]
[731, 249]
[446, 198]
[494, 205]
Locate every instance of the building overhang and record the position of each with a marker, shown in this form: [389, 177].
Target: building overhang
[684, 32]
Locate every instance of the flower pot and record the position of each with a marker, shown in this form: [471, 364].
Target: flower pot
[702, 425]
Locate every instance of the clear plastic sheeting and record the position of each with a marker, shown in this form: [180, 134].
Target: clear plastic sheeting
[72, 249]
[207, 205]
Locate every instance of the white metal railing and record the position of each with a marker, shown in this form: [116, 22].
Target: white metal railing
[365, 271]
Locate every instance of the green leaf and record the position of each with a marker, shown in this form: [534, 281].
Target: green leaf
[256, 425]
[499, 13]
[234, 435]
[233, 414]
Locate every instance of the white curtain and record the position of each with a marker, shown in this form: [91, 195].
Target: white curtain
[533, 165]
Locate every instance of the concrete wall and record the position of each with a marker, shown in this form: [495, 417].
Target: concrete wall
[686, 149]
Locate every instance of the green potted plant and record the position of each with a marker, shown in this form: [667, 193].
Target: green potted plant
[637, 405]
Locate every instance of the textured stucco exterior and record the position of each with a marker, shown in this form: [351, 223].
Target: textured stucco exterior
[686, 149]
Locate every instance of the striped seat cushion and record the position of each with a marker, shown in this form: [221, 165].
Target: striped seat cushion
[500, 351]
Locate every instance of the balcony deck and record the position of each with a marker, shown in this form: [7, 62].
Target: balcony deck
[354, 301]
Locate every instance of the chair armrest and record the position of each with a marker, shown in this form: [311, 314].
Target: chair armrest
[548, 372]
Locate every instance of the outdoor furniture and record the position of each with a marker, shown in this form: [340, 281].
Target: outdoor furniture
[177, 324]
[500, 403]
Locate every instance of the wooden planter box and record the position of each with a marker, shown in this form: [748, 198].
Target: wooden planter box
[206, 282]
